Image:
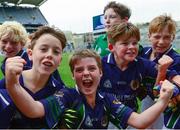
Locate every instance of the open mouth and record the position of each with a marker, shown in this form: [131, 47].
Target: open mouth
[8, 52]
[87, 83]
[48, 64]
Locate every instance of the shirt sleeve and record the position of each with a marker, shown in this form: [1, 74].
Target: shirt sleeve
[119, 113]
[2, 83]
[54, 107]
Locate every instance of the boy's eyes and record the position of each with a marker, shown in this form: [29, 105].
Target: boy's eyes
[43, 49]
[79, 70]
[164, 37]
[11, 42]
[130, 43]
[110, 16]
[55, 51]
[124, 43]
[90, 69]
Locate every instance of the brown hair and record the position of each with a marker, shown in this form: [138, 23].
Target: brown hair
[47, 30]
[80, 54]
[158, 24]
[123, 30]
[122, 10]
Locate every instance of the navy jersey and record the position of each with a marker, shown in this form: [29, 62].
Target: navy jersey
[7, 109]
[171, 118]
[24, 55]
[18, 120]
[170, 52]
[91, 118]
[146, 52]
[124, 84]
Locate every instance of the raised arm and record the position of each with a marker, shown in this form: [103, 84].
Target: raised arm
[24, 102]
[163, 63]
[147, 117]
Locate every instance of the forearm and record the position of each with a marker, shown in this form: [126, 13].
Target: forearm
[24, 102]
[147, 117]
[160, 77]
[176, 80]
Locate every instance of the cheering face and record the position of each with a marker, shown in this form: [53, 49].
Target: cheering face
[125, 50]
[111, 18]
[161, 41]
[46, 54]
[87, 75]
[9, 47]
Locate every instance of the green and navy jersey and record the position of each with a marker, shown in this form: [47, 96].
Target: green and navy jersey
[125, 84]
[171, 118]
[101, 45]
[90, 118]
[8, 118]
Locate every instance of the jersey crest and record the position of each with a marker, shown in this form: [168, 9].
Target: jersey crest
[107, 84]
[104, 121]
[135, 84]
[88, 122]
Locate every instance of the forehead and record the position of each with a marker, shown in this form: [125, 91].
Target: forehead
[161, 29]
[109, 11]
[7, 35]
[85, 61]
[48, 39]
[127, 39]
[164, 31]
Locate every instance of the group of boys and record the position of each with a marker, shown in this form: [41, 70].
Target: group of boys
[121, 73]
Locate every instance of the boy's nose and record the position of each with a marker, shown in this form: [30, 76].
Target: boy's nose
[161, 41]
[86, 72]
[49, 54]
[8, 44]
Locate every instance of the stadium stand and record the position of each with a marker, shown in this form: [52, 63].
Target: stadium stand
[26, 12]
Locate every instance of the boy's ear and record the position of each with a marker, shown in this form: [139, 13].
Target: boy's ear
[29, 52]
[149, 36]
[73, 77]
[110, 46]
[172, 38]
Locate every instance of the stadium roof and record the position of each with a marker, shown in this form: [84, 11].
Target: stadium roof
[18, 2]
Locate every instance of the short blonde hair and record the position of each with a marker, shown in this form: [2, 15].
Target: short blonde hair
[15, 31]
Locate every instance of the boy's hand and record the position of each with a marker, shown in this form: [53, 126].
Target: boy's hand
[166, 90]
[14, 67]
[164, 62]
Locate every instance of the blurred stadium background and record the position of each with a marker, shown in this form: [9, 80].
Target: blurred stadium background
[28, 13]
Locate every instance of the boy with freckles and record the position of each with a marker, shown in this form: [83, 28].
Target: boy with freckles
[162, 31]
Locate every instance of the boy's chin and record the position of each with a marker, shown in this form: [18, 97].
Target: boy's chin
[130, 59]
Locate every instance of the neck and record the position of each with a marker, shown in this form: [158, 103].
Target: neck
[153, 55]
[34, 81]
[122, 65]
[91, 100]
